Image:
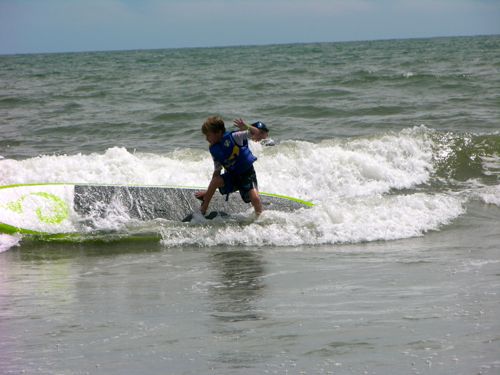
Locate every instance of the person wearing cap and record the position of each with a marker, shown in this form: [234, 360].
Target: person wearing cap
[230, 151]
[261, 136]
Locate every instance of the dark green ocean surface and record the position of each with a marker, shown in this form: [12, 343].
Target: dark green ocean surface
[156, 101]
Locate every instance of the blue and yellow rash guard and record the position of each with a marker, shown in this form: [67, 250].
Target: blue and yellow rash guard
[234, 156]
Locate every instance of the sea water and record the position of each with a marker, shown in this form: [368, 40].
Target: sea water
[394, 270]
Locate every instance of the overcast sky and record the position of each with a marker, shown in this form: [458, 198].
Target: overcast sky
[89, 25]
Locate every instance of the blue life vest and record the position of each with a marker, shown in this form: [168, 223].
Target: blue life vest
[234, 158]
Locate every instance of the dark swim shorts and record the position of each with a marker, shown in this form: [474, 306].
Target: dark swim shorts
[242, 182]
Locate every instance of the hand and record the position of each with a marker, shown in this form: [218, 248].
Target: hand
[200, 195]
[240, 124]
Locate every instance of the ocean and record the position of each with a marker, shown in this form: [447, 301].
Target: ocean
[395, 270]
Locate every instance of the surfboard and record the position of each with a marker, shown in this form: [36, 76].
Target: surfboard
[60, 210]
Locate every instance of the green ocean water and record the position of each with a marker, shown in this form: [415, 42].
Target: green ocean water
[395, 269]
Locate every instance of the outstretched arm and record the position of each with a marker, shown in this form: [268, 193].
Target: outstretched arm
[240, 124]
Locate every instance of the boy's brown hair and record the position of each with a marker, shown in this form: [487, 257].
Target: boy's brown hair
[213, 124]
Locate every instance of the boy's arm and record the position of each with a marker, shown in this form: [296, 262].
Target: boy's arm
[214, 184]
[217, 169]
[206, 196]
[240, 124]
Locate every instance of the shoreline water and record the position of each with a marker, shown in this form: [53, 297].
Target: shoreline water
[425, 305]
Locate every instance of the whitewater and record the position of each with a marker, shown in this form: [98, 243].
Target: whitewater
[364, 189]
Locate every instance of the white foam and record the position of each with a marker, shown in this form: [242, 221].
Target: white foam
[346, 221]
[491, 165]
[347, 169]
[490, 195]
[312, 171]
[115, 166]
[7, 242]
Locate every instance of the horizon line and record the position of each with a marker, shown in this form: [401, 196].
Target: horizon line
[244, 45]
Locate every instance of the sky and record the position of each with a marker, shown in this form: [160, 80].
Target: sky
[33, 26]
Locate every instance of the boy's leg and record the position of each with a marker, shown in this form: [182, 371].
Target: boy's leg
[247, 185]
[255, 199]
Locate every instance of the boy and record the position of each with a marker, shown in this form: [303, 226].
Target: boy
[230, 151]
